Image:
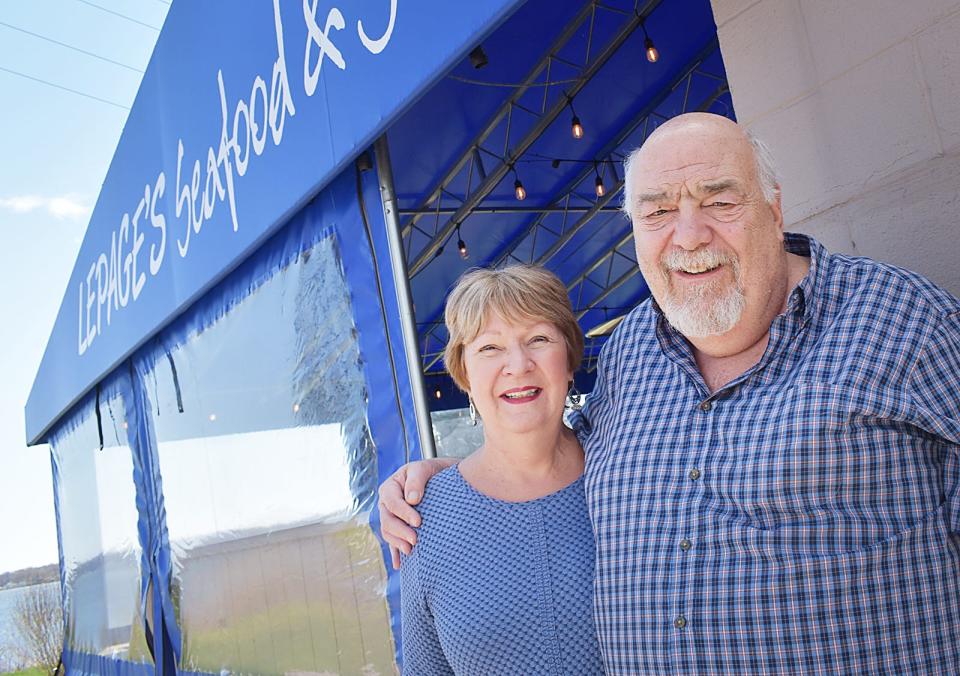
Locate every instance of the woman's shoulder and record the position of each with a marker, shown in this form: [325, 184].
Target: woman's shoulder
[445, 492]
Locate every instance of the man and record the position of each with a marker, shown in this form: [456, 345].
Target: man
[773, 443]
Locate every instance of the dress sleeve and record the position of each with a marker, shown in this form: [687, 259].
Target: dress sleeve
[935, 394]
[422, 653]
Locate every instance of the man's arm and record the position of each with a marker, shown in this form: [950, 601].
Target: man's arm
[397, 494]
[935, 390]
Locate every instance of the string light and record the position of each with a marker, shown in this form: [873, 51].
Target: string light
[464, 254]
[576, 127]
[652, 54]
[437, 393]
[599, 187]
[518, 190]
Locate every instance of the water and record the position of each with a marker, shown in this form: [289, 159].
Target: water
[8, 604]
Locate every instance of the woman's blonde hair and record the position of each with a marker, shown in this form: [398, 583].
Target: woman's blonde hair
[517, 292]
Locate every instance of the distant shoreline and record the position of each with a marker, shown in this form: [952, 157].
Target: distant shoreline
[27, 577]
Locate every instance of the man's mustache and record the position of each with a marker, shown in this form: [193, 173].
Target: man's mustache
[700, 259]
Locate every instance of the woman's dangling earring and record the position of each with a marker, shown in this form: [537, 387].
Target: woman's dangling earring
[473, 413]
[574, 398]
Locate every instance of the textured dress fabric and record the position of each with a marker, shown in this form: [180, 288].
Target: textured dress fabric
[805, 517]
[496, 587]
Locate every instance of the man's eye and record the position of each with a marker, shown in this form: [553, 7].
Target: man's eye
[658, 212]
[721, 204]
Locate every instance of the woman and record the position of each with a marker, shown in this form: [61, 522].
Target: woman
[500, 581]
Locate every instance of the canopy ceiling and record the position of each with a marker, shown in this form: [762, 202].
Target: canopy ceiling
[459, 150]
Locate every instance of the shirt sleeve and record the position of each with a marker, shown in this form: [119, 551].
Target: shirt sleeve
[583, 421]
[935, 394]
[422, 653]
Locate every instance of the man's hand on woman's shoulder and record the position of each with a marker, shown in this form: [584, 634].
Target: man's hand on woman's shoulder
[398, 494]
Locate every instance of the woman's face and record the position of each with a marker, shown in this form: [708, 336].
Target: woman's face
[518, 374]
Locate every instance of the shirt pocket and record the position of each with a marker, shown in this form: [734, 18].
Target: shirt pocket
[832, 467]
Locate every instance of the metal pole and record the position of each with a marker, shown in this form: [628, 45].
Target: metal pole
[401, 283]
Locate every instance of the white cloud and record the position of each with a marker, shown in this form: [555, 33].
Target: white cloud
[21, 203]
[63, 207]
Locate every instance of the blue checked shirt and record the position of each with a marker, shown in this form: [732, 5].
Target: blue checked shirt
[805, 518]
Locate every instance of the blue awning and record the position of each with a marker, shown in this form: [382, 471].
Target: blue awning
[246, 111]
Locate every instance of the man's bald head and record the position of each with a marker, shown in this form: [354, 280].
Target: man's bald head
[706, 128]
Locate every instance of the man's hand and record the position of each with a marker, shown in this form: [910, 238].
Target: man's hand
[405, 488]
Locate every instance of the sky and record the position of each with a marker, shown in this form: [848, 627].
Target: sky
[69, 71]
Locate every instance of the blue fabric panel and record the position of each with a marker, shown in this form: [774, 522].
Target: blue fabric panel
[369, 279]
[85, 664]
[63, 569]
[153, 535]
[390, 401]
[118, 384]
[391, 311]
[298, 236]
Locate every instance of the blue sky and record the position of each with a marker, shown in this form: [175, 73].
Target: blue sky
[55, 148]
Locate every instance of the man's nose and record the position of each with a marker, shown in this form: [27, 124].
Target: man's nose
[692, 230]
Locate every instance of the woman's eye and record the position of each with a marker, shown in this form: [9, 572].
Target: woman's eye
[487, 348]
[539, 339]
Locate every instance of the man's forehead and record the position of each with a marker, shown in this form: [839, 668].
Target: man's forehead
[686, 152]
[648, 191]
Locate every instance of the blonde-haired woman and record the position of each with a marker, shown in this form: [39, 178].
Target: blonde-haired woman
[500, 581]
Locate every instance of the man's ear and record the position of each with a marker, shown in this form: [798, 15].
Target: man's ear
[776, 207]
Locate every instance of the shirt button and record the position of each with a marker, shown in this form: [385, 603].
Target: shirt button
[694, 474]
[680, 622]
[685, 545]
[705, 406]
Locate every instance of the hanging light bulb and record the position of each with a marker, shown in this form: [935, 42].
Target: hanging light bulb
[576, 128]
[519, 191]
[599, 187]
[652, 54]
[464, 253]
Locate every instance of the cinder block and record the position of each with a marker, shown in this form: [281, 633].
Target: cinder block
[939, 49]
[851, 134]
[767, 59]
[796, 137]
[911, 220]
[844, 34]
[830, 228]
[725, 10]
[878, 122]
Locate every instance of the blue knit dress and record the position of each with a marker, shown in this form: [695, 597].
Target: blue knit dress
[496, 587]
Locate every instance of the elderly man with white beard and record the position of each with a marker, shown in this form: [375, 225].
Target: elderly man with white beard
[773, 442]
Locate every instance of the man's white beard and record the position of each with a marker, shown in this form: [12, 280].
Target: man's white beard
[704, 309]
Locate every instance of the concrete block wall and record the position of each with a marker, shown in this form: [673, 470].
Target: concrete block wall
[859, 101]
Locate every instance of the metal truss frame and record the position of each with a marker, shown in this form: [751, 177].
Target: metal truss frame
[612, 255]
[471, 159]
